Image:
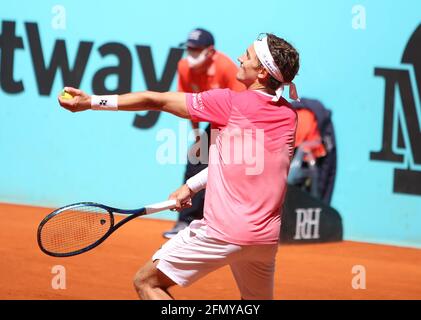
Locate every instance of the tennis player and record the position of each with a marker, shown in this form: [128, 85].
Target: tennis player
[243, 202]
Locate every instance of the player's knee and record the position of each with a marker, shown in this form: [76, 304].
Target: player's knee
[149, 278]
[145, 277]
[141, 280]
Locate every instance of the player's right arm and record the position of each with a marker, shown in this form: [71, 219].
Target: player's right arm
[172, 102]
[186, 192]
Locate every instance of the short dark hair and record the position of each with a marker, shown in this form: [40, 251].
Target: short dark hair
[286, 58]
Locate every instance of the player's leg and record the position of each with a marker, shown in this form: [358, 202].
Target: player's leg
[254, 272]
[151, 283]
[187, 257]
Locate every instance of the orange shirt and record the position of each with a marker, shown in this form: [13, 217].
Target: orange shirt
[221, 73]
[307, 131]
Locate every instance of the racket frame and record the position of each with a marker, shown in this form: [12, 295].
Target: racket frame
[132, 214]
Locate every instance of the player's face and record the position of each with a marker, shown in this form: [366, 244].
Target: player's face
[249, 67]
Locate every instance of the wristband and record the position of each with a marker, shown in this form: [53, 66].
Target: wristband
[104, 102]
[199, 181]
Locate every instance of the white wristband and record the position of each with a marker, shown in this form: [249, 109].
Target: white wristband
[199, 181]
[104, 102]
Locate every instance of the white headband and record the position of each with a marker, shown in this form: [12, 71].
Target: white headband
[265, 57]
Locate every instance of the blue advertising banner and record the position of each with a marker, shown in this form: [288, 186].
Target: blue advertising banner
[361, 59]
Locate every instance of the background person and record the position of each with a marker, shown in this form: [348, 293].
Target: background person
[313, 168]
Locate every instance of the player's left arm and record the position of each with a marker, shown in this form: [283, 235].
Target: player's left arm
[172, 102]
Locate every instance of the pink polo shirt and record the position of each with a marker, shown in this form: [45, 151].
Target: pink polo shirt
[248, 163]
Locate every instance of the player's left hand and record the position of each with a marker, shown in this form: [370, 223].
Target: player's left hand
[80, 101]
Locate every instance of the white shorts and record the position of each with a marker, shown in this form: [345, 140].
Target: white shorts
[191, 254]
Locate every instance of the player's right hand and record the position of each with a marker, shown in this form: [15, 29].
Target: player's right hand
[182, 196]
[80, 101]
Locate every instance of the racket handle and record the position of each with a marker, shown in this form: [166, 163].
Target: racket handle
[160, 206]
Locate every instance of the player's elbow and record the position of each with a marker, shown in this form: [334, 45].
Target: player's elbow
[179, 112]
[153, 100]
[172, 102]
[175, 103]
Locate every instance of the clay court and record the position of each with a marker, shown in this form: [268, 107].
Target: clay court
[322, 271]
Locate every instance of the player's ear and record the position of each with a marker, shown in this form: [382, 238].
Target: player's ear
[263, 74]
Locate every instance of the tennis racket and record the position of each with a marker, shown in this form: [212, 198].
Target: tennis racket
[80, 227]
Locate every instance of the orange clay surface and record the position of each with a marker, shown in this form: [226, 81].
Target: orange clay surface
[322, 271]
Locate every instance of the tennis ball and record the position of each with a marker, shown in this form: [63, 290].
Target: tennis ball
[66, 95]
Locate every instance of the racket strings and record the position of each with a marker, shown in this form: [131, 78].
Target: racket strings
[75, 229]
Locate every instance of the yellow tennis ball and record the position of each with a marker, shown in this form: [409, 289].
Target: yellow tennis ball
[66, 95]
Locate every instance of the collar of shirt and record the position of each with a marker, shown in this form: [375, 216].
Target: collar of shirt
[264, 93]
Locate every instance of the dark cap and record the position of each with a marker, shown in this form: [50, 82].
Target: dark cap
[199, 38]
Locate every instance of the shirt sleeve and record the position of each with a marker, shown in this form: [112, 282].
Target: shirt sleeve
[212, 106]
